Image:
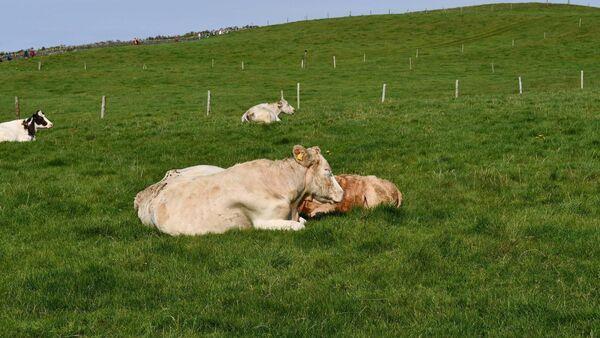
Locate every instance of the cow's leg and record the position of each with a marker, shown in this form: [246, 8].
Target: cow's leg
[278, 225]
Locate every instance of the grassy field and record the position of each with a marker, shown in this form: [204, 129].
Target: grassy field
[498, 235]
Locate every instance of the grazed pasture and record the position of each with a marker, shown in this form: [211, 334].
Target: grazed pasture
[498, 236]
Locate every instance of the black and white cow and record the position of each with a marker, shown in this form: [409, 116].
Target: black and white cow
[24, 130]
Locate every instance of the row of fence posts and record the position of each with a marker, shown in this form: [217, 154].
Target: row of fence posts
[383, 93]
[303, 61]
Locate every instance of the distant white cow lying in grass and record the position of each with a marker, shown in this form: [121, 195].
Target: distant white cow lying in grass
[24, 130]
[268, 112]
[262, 194]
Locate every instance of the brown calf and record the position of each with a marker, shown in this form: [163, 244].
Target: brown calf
[359, 191]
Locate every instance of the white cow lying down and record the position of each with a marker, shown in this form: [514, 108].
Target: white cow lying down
[24, 130]
[263, 194]
[267, 112]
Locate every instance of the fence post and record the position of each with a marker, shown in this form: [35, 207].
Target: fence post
[103, 107]
[579, 22]
[39, 65]
[208, 103]
[383, 93]
[364, 57]
[17, 108]
[242, 65]
[520, 86]
[410, 63]
[212, 63]
[582, 79]
[513, 42]
[456, 90]
[334, 62]
[298, 95]
[85, 66]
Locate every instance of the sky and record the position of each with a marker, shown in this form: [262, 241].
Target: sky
[38, 23]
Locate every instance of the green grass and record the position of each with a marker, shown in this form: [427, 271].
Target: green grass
[498, 236]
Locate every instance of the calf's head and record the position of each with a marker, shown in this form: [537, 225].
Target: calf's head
[285, 107]
[320, 183]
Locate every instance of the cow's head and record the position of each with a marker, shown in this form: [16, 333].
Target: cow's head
[320, 183]
[39, 120]
[285, 107]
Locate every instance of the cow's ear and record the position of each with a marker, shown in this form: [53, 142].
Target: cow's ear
[316, 149]
[301, 155]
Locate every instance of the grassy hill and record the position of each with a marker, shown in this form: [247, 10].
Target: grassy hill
[498, 236]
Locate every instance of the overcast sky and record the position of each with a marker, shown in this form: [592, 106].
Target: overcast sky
[37, 23]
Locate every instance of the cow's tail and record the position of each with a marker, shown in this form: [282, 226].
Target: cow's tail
[399, 198]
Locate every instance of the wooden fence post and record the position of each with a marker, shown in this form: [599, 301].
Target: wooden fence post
[462, 48]
[103, 107]
[212, 63]
[208, 103]
[334, 62]
[410, 63]
[364, 57]
[456, 90]
[242, 65]
[298, 95]
[85, 66]
[520, 86]
[582, 79]
[383, 93]
[17, 108]
[39, 65]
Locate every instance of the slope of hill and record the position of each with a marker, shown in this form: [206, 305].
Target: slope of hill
[498, 235]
